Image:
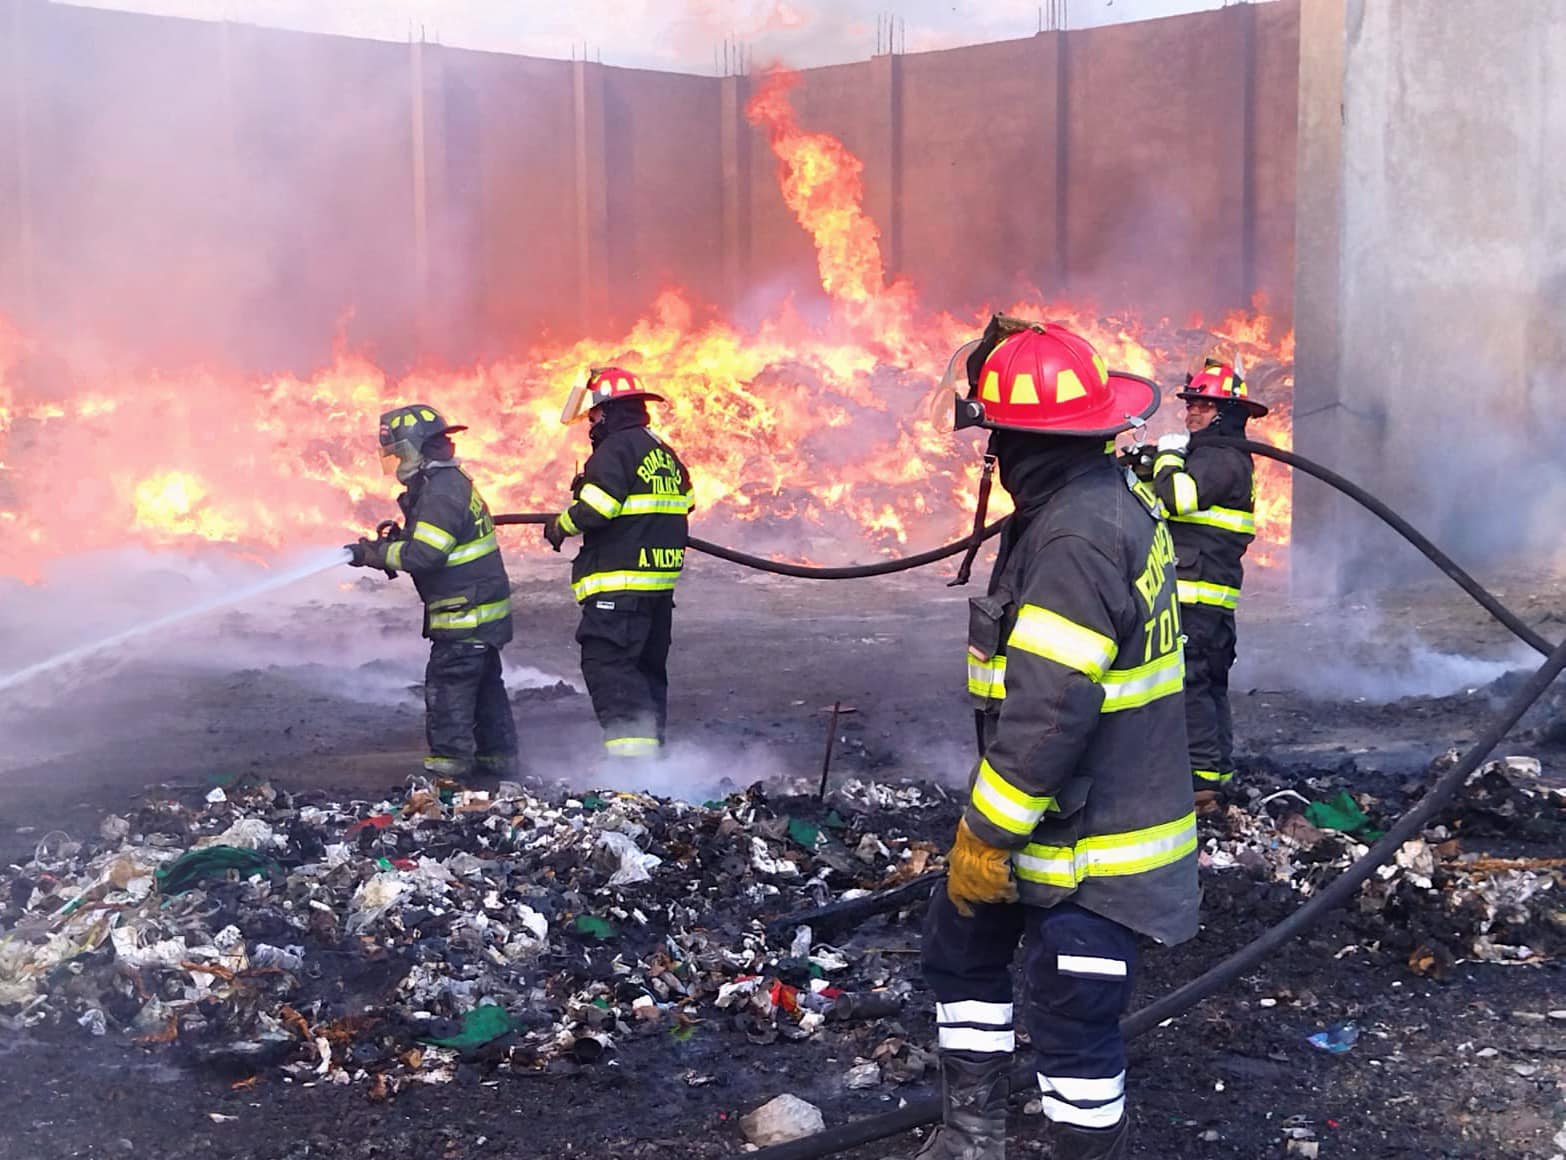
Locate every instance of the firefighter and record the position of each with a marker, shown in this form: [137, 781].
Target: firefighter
[629, 505]
[448, 546]
[1078, 835]
[1209, 493]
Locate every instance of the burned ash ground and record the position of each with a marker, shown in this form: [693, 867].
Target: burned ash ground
[284, 1001]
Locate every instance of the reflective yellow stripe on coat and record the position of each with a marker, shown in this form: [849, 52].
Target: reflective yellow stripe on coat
[1004, 805]
[470, 618]
[472, 550]
[1236, 520]
[1054, 637]
[1107, 855]
[987, 678]
[1202, 592]
[1133, 688]
[598, 582]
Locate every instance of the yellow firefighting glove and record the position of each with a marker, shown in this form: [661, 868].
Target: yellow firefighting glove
[977, 872]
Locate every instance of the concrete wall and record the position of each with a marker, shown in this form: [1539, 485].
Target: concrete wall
[181, 189]
[1432, 271]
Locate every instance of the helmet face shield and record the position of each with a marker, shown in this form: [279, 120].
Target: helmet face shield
[575, 408]
[948, 402]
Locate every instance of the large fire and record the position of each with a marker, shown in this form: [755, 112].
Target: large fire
[817, 431]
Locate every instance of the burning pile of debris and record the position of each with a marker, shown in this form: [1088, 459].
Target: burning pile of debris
[387, 943]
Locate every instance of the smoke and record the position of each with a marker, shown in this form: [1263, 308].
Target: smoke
[1357, 652]
[191, 192]
[687, 770]
[286, 635]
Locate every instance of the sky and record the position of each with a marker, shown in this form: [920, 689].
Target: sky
[680, 35]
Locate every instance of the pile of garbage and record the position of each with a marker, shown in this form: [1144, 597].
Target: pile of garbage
[1445, 898]
[253, 931]
[383, 943]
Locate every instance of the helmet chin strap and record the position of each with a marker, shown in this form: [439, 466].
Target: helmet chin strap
[986, 482]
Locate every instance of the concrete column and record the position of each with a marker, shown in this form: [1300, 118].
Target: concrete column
[592, 201]
[1318, 248]
[1245, 16]
[735, 151]
[20, 289]
[885, 204]
[1060, 41]
[1052, 166]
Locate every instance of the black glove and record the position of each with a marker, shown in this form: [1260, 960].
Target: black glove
[1139, 458]
[554, 533]
[363, 554]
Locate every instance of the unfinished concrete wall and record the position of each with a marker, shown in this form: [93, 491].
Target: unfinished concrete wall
[1432, 275]
[188, 190]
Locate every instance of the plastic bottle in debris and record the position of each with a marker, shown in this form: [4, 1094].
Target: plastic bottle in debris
[864, 1005]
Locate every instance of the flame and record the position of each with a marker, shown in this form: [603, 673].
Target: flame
[809, 436]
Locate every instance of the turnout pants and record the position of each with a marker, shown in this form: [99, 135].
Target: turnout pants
[467, 717]
[1209, 655]
[1077, 969]
[625, 663]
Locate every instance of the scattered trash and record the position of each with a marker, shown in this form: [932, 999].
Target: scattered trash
[1338, 1038]
[780, 1120]
[864, 1074]
[1341, 812]
[479, 1026]
[210, 862]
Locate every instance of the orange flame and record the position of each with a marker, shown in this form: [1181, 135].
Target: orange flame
[802, 433]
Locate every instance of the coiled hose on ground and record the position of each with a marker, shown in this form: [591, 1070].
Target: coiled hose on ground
[1339, 891]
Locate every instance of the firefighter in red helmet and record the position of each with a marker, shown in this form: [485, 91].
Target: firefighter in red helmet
[629, 505]
[1209, 492]
[1078, 835]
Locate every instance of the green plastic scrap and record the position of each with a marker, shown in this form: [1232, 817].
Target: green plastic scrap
[1341, 813]
[479, 1026]
[196, 866]
[592, 803]
[593, 926]
[803, 833]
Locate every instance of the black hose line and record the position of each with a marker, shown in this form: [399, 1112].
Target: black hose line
[1338, 892]
[926, 1111]
[1440, 559]
[1403, 528]
[802, 571]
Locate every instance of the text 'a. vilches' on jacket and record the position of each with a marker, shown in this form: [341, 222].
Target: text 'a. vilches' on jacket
[450, 550]
[1210, 495]
[1075, 661]
[631, 508]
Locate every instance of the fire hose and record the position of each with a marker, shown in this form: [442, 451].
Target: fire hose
[917, 1113]
[920, 1112]
[1440, 559]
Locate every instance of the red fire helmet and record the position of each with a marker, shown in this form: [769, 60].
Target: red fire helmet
[1049, 379]
[1221, 382]
[604, 385]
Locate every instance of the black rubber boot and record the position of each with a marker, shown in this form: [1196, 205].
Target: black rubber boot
[1071, 1143]
[974, 1091]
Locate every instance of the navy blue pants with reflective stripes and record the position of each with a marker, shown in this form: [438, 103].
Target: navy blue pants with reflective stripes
[1077, 972]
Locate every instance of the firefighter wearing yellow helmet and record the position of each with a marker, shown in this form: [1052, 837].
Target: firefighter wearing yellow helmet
[447, 544]
[1078, 835]
[629, 505]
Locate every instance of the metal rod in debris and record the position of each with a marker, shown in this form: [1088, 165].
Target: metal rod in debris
[826, 762]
